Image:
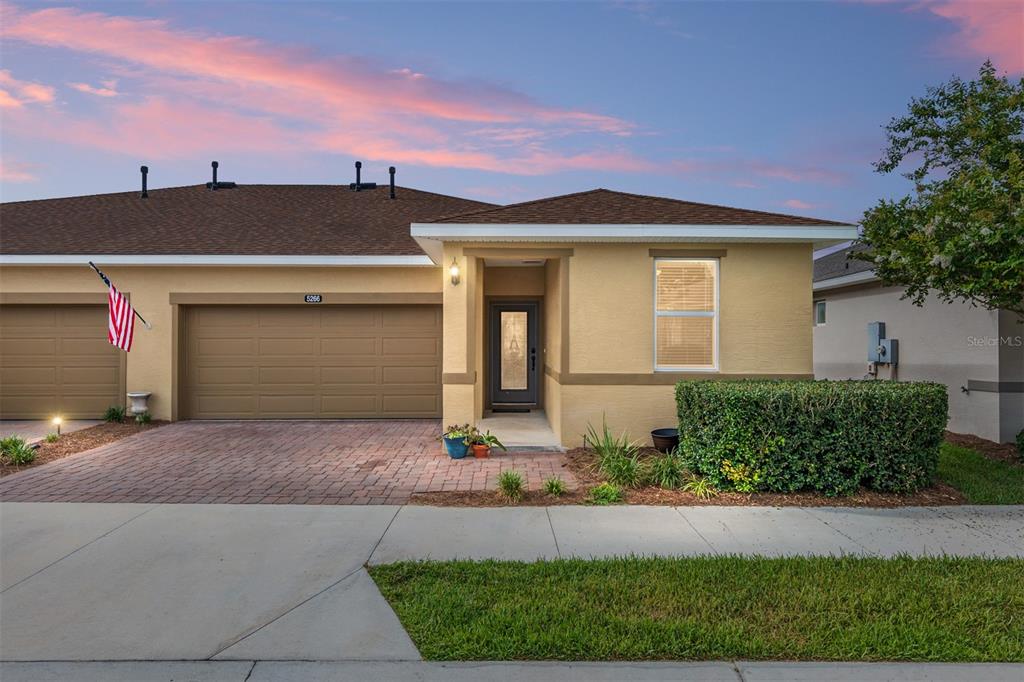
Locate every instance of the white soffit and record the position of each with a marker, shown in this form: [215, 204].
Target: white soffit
[431, 236]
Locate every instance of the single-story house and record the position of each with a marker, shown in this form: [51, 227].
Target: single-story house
[297, 302]
[977, 353]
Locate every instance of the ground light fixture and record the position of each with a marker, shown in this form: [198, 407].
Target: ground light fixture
[454, 271]
[57, 421]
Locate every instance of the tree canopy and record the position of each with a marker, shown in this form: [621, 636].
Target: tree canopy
[960, 234]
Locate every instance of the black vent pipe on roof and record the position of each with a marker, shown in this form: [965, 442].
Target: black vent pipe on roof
[391, 172]
[145, 172]
[359, 170]
[213, 185]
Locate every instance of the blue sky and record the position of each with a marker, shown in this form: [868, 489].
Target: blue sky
[774, 106]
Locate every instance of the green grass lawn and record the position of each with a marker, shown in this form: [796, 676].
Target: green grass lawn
[847, 609]
[981, 480]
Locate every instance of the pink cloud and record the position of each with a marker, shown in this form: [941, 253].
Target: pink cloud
[15, 171]
[743, 168]
[106, 91]
[16, 93]
[986, 29]
[799, 204]
[267, 97]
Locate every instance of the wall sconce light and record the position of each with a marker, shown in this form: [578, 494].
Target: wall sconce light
[454, 271]
[57, 421]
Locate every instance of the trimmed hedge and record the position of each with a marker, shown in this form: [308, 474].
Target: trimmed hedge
[828, 436]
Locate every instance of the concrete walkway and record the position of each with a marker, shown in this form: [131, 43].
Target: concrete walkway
[358, 671]
[178, 582]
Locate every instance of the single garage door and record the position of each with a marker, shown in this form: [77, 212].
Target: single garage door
[55, 360]
[249, 362]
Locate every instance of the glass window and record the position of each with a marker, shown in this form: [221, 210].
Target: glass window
[686, 314]
[819, 312]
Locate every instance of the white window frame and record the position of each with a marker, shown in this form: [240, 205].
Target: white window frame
[823, 302]
[716, 264]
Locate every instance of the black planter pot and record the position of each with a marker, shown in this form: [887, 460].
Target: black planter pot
[665, 440]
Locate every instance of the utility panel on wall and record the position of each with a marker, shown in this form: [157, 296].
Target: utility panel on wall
[880, 349]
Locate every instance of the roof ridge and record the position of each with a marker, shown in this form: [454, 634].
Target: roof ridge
[686, 202]
[499, 207]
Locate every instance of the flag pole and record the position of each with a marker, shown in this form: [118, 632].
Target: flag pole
[106, 281]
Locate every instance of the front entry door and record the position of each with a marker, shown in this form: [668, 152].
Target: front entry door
[513, 354]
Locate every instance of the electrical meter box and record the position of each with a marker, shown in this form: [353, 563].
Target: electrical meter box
[880, 349]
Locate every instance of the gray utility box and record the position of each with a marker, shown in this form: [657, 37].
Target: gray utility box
[880, 349]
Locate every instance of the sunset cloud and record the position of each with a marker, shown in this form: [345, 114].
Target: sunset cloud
[265, 96]
[108, 89]
[16, 93]
[15, 171]
[986, 29]
[799, 204]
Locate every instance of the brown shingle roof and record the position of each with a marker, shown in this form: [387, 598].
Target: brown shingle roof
[606, 207]
[246, 220]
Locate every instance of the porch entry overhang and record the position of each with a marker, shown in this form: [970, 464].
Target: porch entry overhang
[432, 236]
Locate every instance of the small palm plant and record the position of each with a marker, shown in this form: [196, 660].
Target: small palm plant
[554, 486]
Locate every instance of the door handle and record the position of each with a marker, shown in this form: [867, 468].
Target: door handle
[533, 359]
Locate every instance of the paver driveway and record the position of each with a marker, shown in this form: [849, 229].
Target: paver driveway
[272, 462]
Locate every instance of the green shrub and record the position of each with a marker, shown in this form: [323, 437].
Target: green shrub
[16, 451]
[143, 418]
[52, 437]
[828, 436]
[668, 470]
[114, 413]
[554, 486]
[604, 494]
[510, 485]
[618, 458]
[1020, 445]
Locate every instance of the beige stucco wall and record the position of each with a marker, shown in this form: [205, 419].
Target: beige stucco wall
[951, 343]
[765, 306]
[150, 362]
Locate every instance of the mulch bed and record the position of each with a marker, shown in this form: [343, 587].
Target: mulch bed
[80, 441]
[580, 462]
[999, 452]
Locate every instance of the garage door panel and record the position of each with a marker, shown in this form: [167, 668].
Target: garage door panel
[349, 405]
[92, 377]
[28, 347]
[428, 375]
[349, 375]
[407, 345]
[56, 360]
[287, 346]
[316, 361]
[349, 346]
[349, 317]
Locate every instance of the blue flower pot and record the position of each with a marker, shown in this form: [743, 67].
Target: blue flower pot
[456, 447]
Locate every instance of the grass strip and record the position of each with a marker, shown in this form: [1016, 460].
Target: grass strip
[810, 608]
[980, 479]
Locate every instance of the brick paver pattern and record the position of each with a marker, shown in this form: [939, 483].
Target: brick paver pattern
[274, 462]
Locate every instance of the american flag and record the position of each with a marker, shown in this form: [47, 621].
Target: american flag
[121, 327]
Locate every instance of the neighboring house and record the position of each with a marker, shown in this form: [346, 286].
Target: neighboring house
[584, 305]
[977, 353]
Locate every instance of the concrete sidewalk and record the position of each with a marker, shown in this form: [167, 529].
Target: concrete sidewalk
[543, 671]
[110, 582]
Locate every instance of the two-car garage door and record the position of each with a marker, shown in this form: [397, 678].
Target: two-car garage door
[311, 361]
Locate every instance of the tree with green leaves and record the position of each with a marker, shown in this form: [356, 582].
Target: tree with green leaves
[960, 234]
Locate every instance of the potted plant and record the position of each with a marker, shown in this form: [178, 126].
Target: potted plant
[481, 443]
[455, 443]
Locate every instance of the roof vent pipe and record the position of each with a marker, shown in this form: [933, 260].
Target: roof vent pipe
[214, 165]
[391, 172]
[145, 172]
[359, 168]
